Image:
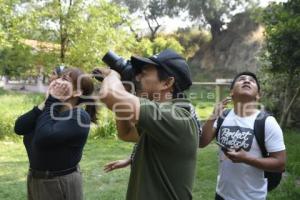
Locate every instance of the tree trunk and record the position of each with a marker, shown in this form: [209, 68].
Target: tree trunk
[152, 36]
[62, 48]
[6, 79]
[63, 34]
[292, 102]
[137, 37]
[288, 102]
[285, 105]
[215, 27]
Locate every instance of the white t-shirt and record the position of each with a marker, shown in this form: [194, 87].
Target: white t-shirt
[239, 181]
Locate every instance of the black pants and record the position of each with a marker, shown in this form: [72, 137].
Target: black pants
[218, 197]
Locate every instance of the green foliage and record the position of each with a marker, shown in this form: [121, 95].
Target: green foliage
[271, 83]
[192, 39]
[213, 12]
[9, 21]
[144, 47]
[77, 33]
[84, 30]
[161, 43]
[147, 48]
[103, 29]
[282, 56]
[47, 60]
[106, 126]
[282, 23]
[15, 60]
[11, 106]
[152, 11]
[153, 8]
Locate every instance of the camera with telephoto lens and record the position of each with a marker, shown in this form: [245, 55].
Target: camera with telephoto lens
[119, 64]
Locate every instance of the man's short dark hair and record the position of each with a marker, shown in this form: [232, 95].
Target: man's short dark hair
[247, 74]
[162, 74]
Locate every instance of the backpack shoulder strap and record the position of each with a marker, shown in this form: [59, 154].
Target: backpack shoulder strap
[259, 131]
[220, 121]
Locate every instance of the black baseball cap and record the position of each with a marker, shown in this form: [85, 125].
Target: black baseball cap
[171, 62]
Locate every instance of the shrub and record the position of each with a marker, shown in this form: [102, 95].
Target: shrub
[106, 127]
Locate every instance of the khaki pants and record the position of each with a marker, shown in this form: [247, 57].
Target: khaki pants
[67, 187]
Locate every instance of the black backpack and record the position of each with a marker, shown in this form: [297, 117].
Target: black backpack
[273, 178]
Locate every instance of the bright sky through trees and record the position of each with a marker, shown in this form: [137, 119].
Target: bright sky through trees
[183, 21]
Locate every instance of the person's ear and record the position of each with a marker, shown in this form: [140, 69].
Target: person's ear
[169, 83]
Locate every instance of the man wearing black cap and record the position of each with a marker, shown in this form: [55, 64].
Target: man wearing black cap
[160, 121]
[251, 143]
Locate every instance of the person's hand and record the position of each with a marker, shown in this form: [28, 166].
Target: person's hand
[117, 165]
[102, 73]
[41, 106]
[60, 89]
[220, 107]
[238, 156]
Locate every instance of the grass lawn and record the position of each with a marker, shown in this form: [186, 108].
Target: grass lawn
[112, 186]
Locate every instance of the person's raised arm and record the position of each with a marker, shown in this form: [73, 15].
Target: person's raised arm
[208, 129]
[208, 133]
[125, 105]
[25, 124]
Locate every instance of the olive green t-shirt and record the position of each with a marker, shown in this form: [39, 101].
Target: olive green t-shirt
[164, 164]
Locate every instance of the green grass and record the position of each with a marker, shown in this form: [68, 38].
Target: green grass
[98, 151]
[97, 184]
[112, 186]
[290, 187]
[12, 105]
[293, 141]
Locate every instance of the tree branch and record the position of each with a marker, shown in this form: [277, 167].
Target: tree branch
[293, 99]
[148, 21]
[152, 29]
[136, 35]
